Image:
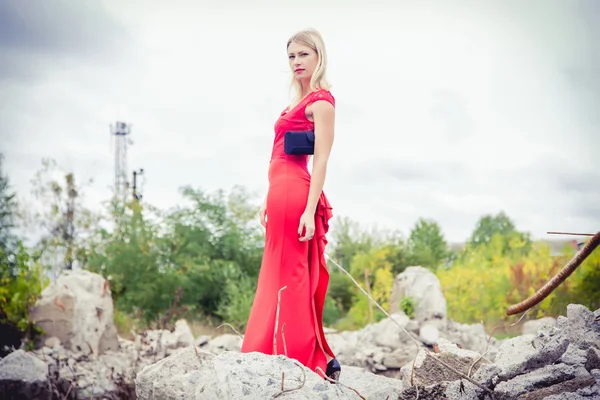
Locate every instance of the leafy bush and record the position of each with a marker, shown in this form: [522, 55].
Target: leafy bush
[235, 306]
[20, 287]
[408, 306]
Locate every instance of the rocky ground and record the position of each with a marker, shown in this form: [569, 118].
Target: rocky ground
[558, 362]
[553, 359]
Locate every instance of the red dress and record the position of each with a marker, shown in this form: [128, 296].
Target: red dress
[288, 262]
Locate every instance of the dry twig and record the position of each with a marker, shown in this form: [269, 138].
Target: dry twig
[296, 388]
[74, 381]
[385, 312]
[487, 346]
[277, 320]
[232, 328]
[430, 355]
[283, 340]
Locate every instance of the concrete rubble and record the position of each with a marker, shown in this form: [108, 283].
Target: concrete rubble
[553, 358]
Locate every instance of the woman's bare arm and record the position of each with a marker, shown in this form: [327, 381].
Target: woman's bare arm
[324, 117]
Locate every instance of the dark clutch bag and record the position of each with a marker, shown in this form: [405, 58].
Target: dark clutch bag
[299, 142]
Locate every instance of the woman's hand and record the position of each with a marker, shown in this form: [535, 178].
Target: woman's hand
[307, 225]
[262, 213]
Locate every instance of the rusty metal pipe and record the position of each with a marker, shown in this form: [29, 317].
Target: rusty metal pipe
[570, 233]
[557, 279]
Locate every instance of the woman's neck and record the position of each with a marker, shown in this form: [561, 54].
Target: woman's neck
[304, 90]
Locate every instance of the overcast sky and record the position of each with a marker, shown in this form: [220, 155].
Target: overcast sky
[445, 110]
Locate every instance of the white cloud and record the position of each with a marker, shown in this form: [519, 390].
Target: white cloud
[443, 111]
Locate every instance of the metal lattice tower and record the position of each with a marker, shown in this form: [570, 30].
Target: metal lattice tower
[121, 131]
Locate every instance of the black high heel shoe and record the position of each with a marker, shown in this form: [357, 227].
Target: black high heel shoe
[334, 369]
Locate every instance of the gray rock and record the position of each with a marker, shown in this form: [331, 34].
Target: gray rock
[78, 310]
[398, 358]
[574, 355]
[428, 371]
[23, 376]
[172, 377]
[424, 287]
[518, 355]
[429, 334]
[531, 327]
[540, 378]
[596, 374]
[581, 387]
[581, 328]
[486, 374]
[232, 375]
[461, 390]
[592, 361]
[579, 316]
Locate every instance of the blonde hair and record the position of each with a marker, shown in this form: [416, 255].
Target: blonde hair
[312, 39]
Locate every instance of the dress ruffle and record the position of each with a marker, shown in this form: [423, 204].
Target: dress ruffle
[319, 274]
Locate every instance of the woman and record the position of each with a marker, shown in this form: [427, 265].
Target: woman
[296, 216]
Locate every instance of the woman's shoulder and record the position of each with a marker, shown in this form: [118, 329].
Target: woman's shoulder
[323, 94]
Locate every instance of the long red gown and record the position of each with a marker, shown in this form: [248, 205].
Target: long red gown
[300, 266]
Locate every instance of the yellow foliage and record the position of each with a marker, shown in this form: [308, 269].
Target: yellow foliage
[585, 282]
[381, 289]
[483, 283]
[381, 280]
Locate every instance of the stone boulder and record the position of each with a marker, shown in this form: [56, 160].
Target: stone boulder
[23, 376]
[383, 347]
[532, 326]
[439, 381]
[471, 337]
[428, 372]
[164, 342]
[110, 376]
[77, 309]
[194, 374]
[223, 343]
[424, 287]
[558, 362]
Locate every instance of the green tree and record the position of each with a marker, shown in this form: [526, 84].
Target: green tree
[350, 242]
[8, 221]
[427, 245]
[501, 225]
[130, 259]
[586, 283]
[20, 274]
[20, 287]
[350, 239]
[488, 225]
[374, 272]
[204, 256]
[398, 253]
[61, 218]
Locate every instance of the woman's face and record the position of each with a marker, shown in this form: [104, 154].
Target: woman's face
[303, 61]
